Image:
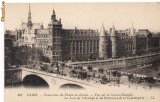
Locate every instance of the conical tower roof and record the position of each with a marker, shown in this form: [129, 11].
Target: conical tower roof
[132, 32]
[113, 32]
[102, 32]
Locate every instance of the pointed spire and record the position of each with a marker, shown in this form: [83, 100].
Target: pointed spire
[29, 23]
[29, 13]
[102, 33]
[102, 25]
[113, 32]
[53, 13]
[29, 8]
[53, 17]
[132, 32]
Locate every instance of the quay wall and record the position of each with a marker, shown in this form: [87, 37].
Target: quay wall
[120, 62]
[13, 75]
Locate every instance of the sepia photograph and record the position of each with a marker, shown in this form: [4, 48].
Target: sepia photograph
[90, 52]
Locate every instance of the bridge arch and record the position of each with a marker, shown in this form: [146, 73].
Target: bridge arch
[51, 81]
[71, 86]
[33, 80]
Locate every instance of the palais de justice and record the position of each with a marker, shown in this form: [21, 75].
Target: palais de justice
[61, 44]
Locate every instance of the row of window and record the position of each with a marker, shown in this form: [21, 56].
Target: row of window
[40, 41]
[57, 40]
[79, 37]
[57, 58]
[85, 43]
[56, 53]
[128, 47]
[27, 39]
[84, 49]
[43, 35]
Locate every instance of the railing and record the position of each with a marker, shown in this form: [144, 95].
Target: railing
[121, 62]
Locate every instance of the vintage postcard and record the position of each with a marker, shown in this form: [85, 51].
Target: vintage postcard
[81, 52]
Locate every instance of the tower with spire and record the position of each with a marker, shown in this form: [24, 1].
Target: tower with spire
[55, 29]
[29, 23]
[113, 37]
[29, 33]
[103, 44]
[53, 17]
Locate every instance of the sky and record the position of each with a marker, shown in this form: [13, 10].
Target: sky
[87, 15]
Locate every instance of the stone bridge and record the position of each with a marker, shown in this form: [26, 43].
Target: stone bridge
[53, 81]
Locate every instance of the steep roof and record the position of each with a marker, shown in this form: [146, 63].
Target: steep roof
[113, 32]
[102, 32]
[132, 31]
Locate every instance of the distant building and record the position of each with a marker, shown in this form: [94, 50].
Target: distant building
[82, 44]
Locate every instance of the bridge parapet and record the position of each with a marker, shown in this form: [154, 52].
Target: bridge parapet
[48, 77]
[120, 62]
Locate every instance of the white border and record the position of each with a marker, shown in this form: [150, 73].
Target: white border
[41, 1]
[1, 58]
[49, 1]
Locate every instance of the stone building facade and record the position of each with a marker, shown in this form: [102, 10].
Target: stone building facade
[85, 44]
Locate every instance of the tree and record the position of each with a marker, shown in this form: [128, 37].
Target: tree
[25, 55]
[45, 59]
